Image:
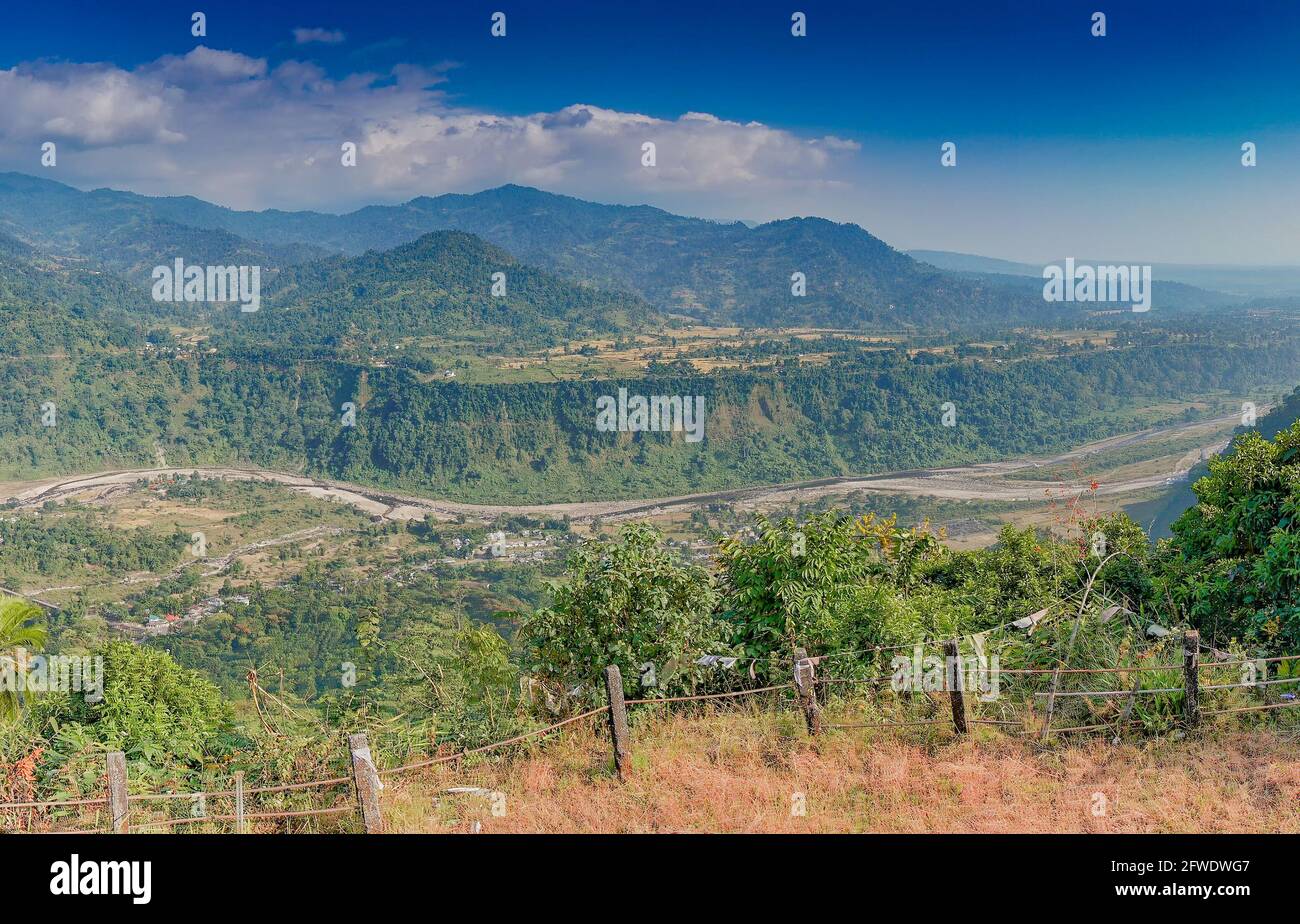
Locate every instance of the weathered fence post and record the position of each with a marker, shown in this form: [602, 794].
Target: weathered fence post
[805, 680]
[1191, 672]
[617, 719]
[1261, 677]
[117, 800]
[239, 801]
[956, 684]
[366, 778]
[1128, 709]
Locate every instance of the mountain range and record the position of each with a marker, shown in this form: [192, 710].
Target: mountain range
[650, 262]
[1227, 282]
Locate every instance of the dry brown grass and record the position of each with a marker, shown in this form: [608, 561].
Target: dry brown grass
[740, 771]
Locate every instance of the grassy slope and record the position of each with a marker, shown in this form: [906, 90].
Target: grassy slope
[736, 771]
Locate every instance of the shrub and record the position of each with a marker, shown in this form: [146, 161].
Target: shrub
[627, 601]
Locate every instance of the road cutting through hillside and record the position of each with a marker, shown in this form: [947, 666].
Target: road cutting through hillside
[986, 481]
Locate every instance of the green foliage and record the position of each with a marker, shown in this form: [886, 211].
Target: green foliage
[51, 546]
[306, 628]
[440, 282]
[865, 412]
[1233, 563]
[15, 632]
[626, 601]
[428, 683]
[1127, 569]
[476, 698]
[47, 306]
[1021, 573]
[783, 588]
[160, 714]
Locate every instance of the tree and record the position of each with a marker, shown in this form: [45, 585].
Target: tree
[15, 633]
[626, 601]
[782, 589]
[1233, 563]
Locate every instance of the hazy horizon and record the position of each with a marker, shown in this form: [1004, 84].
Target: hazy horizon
[1122, 143]
[910, 251]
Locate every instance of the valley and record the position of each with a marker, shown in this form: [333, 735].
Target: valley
[390, 490]
[982, 481]
[263, 527]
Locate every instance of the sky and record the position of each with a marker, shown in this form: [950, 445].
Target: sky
[1123, 146]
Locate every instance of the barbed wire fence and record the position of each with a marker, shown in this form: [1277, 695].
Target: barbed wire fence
[357, 794]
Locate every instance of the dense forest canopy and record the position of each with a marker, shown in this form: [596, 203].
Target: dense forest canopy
[539, 442]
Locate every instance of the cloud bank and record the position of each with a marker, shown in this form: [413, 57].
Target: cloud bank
[232, 129]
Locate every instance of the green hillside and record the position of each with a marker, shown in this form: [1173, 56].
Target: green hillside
[537, 442]
[438, 286]
[723, 273]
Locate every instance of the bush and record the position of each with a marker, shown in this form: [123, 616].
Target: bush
[161, 715]
[629, 602]
[1233, 563]
[786, 586]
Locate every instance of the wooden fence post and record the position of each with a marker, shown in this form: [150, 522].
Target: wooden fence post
[366, 778]
[617, 719]
[117, 800]
[1191, 672]
[239, 801]
[1265, 688]
[805, 684]
[956, 684]
[1128, 709]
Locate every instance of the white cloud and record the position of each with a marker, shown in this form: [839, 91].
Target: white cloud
[305, 36]
[227, 127]
[204, 66]
[84, 104]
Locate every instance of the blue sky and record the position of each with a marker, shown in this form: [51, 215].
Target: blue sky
[1126, 146]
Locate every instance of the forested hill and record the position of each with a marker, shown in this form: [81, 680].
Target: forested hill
[50, 306]
[538, 442]
[439, 285]
[1164, 293]
[75, 275]
[719, 272]
[122, 232]
[1267, 283]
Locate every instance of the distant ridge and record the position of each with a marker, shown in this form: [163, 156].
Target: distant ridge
[1233, 282]
[723, 272]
